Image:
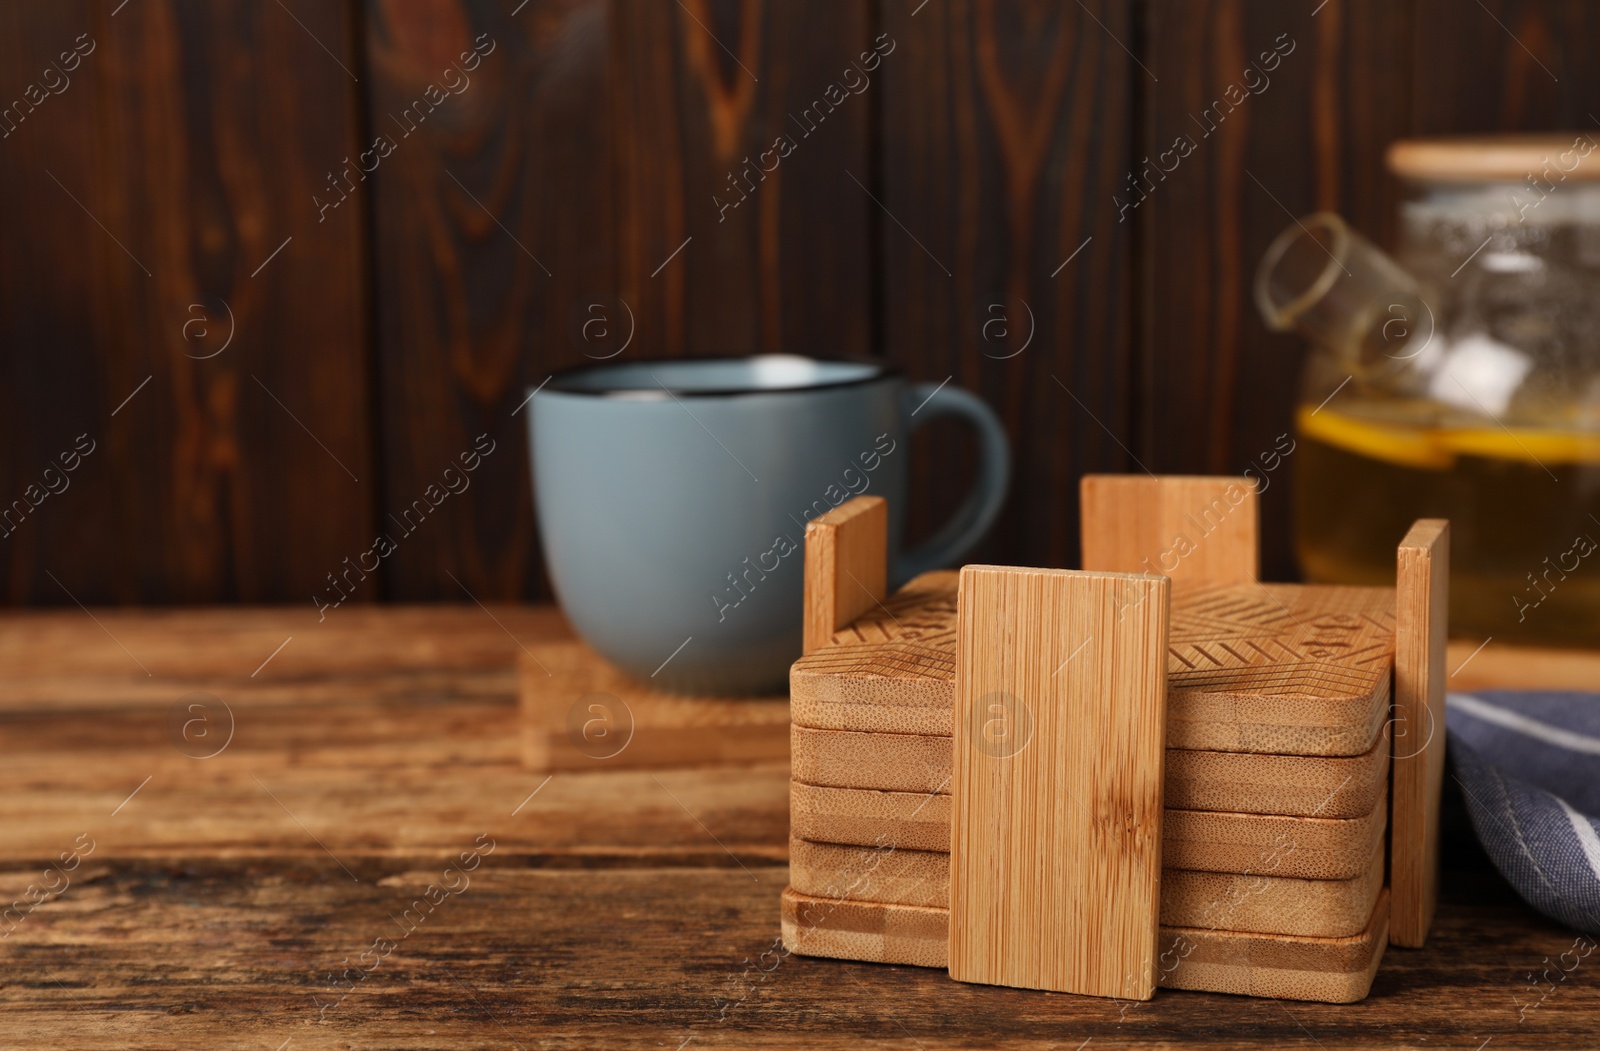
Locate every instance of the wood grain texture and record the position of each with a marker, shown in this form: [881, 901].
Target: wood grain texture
[1326, 970]
[1262, 113]
[579, 713]
[1301, 847]
[1270, 668]
[1004, 132]
[386, 731]
[1245, 782]
[1256, 904]
[880, 873]
[494, 220]
[847, 567]
[529, 223]
[1204, 840]
[525, 942]
[870, 817]
[699, 92]
[1477, 664]
[1281, 668]
[1422, 606]
[1517, 65]
[998, 138]
[606, 916]
[869, 932]
[1201, 530]
[1271, 904]
[1300, 786]
[892, 670]
[1056, 787]
[879, 761]
[142, 198]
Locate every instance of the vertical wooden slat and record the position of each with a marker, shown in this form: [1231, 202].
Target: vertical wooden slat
[1197, 531]
[1298, 134]
[1056, 786]
[141, 207]
[847, 566]
[1005, 131]
[1422, 604]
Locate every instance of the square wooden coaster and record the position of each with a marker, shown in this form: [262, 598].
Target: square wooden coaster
[1259, 904]
[1283, 669]
[1236, 782]
[1310, 848]
[580, 713]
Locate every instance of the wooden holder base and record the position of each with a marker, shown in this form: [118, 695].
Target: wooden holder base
[1325, 970]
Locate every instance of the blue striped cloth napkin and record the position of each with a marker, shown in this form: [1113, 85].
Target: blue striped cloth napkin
[1529, 767]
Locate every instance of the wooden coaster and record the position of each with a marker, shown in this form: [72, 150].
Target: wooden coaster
[1326, 970]
[1288, 669]
[1302, 847]
[1205, 900]
[1207, 841]
[580, 713]
[887, 875]
[1283, 669]
[891, 762]
[1261, 904]
[1239, 782]
[892, 670]
[1423, 604]
[1299, 786]
[865, 817]
[871, 933]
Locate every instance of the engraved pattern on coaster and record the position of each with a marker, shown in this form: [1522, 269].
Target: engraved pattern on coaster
[1265, 638]
[911, 636]
[1282, 639]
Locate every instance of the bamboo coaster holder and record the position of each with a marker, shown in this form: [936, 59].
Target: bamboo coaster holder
[1273, 693]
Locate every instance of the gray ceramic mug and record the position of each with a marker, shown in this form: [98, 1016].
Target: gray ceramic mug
[672, 500]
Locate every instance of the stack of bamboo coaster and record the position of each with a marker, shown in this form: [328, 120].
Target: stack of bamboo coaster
[1271, 763]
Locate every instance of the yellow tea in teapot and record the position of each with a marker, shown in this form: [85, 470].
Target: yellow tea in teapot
[1523, 505]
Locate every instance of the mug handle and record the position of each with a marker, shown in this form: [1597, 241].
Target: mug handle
[982, 505]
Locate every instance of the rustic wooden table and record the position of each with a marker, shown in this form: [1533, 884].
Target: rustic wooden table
[364, 863]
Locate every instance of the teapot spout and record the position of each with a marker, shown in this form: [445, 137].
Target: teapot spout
[1325, 281]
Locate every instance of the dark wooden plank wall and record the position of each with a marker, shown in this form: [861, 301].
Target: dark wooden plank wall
[1005, 130]
[545, 178]
[179, 154]
[598, 139]
[1531, 66]
[491, 218]
[1268, 139]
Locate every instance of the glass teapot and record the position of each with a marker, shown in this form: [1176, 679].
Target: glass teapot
[1459, 380]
